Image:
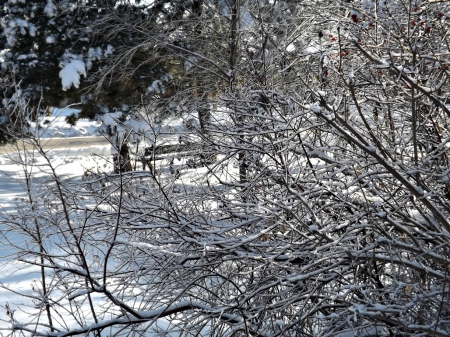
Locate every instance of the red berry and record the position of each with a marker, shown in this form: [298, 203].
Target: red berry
[427, 29]
[333, 39]
[413, 23]
[343, 53]
[416, 9]
[355, 18]
[422, 23]
[441, 14]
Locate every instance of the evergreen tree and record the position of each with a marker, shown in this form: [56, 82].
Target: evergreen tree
[54, 53]
[39, 36]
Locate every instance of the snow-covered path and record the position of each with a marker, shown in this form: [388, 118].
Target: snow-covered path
[58, 143]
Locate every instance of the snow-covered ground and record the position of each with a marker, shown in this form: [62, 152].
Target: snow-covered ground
[56, 126]
[70, 163]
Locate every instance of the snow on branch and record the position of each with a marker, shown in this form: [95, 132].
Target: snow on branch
[148, 316]
[70, 74]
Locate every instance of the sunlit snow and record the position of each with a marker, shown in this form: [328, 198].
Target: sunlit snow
[70, 74]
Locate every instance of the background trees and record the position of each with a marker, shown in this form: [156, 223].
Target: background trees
[325, 211]
[41, 38]
[51, 48]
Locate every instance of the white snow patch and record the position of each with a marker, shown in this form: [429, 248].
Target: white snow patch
[50, 39]
[56, 126]
[290, 48]
[32, 30]
[95, 53]
[109, 50]
[110, 119]
[156, 87]
[190, 62]
[50, 9]
[70, 74]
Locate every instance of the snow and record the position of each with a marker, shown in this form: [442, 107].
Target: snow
[109, 50]
[22, 24]
[26, 56]
[371, 148]
[363, 332]
[32, 30]
[290, 47]
[95, 53]
[382, 65]
[110, 119]
[50, 9]
[56, 126]
[50, 39]
[70, 163]
[78, 293]
[20, 276]
[190, 62]
[13, 26]
[70, 74]
[350, 73]
[313, 228]
[311, 50]
[156, 87]
[419, 190]
[3, 53]
[314, 108]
